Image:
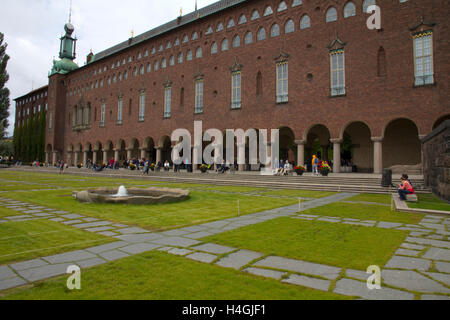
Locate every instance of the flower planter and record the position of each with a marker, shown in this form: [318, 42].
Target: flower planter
[325, 173]
[299, 172]
[203, 170]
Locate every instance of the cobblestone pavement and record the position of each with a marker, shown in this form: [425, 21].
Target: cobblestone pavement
[420, 268]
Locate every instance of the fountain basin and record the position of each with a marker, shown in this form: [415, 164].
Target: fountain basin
[135, 196]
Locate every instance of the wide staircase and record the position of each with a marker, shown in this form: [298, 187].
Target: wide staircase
[354, 182]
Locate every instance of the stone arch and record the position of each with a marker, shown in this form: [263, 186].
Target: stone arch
[317, 139]
[287, 144]
[121, 149]
[149, 148]
[441, 120]
[133, 149]
[98, 151]
[165, 145]
[357, 146]
[401, 144]
[108, 152]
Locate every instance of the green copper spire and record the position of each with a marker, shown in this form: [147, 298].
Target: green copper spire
[67, 52]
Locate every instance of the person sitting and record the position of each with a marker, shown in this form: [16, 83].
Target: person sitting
[167, 166]
[287, 168]
[404, 188]
[223, 168]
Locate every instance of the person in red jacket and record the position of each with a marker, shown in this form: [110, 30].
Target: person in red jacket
[405, 188]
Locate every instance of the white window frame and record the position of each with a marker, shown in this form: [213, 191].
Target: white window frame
[120, 111]
[282, 88]
[198, 96]
[335, 69]
[422, 76]
[102, 114]
[236, 85]
[142, 106]
[167, 102]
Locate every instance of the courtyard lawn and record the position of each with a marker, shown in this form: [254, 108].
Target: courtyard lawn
[5, 212]
[201, 207]
[431, 202]
[26, 240]
[365, 212]
[340, 245]
[378, 198]
[301, 193]
[161, 276]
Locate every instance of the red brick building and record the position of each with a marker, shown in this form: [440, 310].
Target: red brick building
[311, 68]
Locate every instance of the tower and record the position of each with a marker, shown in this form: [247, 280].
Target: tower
[67, 52]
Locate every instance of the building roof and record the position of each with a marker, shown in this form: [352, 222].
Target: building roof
[32, 92]
[172, 25]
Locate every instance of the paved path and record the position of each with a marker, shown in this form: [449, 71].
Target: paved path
[420, 268]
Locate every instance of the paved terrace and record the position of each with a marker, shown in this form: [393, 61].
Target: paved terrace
[405, 274]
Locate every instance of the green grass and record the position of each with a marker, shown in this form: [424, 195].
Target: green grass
[365, 212]
[31, 239]
[160, 276]
[5, 212]
[199, 208]
[340, 245]
[378, 198]
[431, 202]
[301, 193]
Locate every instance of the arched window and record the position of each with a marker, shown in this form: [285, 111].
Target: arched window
[163, 63]
[230, 23]
[261, 34]
[120, 76]
[236, 41]
[189, 55]
[255, 15]
[305, 22]
[177, 42]
[153, 50]
[381, 62]
[156, 65]
[161, 47]
[185, 38]
[149, 67]
[289, 26]
[259, 86]
[214, 48]
[275, 30]
[172, 60]
[209, 30]
[219, 27]
[224, 45]
[198, 52]
[282, 6]
[349, 10]
[180, 57]
[195, 36]
[242, 19]
[142, 70]
[248, 38]
[296, 3]
[331, 15]
[367, 3]
[268, 11]
[169, 45]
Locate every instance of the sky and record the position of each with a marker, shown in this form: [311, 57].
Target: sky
[32, 30]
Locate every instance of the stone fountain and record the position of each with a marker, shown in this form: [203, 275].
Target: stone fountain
[131, 196]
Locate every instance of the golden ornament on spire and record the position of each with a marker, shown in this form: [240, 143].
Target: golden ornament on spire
[181, 11]
[132, 33]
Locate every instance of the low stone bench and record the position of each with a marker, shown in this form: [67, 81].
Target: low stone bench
[411, 198]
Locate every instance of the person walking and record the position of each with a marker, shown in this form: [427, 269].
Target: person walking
[315, 165]
[61, 167]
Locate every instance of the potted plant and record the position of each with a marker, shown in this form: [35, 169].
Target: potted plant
[79, 166]
[152, 166]
[203, 168]
[299, 170]
[325, 169]
[132, 167]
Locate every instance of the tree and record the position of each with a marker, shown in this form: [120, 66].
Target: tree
[4, 92]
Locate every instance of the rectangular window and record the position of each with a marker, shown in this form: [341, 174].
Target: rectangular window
[102, 115]
[423, 58]
[236, 90]
[282, 82]
[199, 96]
[119, 111]
[337, 73]
[142, 107]
[167, 102]
[50, 120]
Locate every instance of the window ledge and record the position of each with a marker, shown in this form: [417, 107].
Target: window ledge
[338, 96]
[281, 102]
[424, 85]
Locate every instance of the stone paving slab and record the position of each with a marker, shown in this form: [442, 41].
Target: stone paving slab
[140, 237]
[91, 262]
[445, 233]
[90, 219]
[107, 247]
[328, 220]
[28, 264]
[165, 249]
[216, 224]
[72, 216]
[32, 211]
[434, 297]
[442, 266]
[437, 254]
[44, 272]
[299, 266]
[357, 274]
[435, 237]
[356, 288]
[176, 241]
[176, 232]
[434, 243]
[412, 246]
[3, 221]
[202, 257]
[193, 229]
[56, 219]
[69, 256]
[418, 234]
[19, 217]
[132, 230]
[119, 225]
[413, 281]
[70, 222]
[359, 224]
[407, 252]
[113, 255]
[397, 262]
[43, 215]
[11, 283]
[277, 275]
[213, 248]
[107, 233]
[198, 235]
[139, 248]
[442, 277]
[433, 226]
[99, 229]
[6, 272]
[237, 260]
[389, 225]
[92, 224]
[309, 282]
[179, 252]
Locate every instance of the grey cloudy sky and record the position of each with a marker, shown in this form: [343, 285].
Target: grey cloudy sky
[32, 29]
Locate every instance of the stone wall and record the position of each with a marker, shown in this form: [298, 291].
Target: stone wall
[436, 160]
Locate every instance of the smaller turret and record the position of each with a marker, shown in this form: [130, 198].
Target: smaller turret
[67, 52]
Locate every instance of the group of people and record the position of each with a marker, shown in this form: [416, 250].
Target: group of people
[284, 169]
